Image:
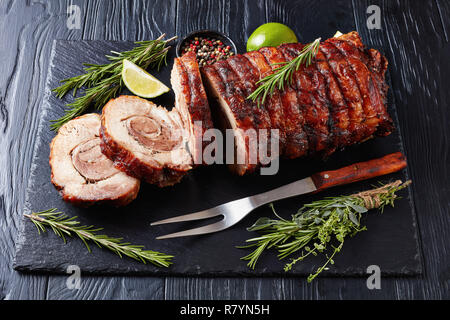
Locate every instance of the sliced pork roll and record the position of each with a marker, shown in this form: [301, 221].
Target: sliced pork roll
[152, 143]
[145, 140]
[80, 171]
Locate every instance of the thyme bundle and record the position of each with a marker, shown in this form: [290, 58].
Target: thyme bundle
[316, 225]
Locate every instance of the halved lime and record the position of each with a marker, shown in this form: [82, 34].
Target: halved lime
[140, 82]
[271, 34]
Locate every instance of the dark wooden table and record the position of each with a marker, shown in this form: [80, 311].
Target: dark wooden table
[414, 36]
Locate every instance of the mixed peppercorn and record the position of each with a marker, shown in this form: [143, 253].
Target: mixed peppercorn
[208, 50]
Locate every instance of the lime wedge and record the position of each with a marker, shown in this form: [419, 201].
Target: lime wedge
[270, 34]
[140, 82]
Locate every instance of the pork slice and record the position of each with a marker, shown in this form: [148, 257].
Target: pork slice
[231, 111]
[145, 140]
[82, 174]
[191, 102]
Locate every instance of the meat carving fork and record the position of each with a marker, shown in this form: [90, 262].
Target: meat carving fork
[235, 211]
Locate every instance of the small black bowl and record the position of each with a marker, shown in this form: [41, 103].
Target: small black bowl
[206, 33]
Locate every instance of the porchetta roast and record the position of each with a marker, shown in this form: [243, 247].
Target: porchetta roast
[82, 173]
[336, 101]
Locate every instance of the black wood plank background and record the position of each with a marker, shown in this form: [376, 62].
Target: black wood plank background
[414, 36]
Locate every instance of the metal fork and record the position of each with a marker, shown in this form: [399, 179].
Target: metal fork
[235, 211]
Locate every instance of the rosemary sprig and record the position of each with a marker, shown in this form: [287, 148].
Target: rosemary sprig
[312, 229]
[104, 81]
[283, 74]
[63, 226]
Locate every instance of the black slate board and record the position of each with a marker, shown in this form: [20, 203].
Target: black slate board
[391, 240]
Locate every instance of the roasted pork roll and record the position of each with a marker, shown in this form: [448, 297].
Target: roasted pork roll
[337, 101]
[82, 174]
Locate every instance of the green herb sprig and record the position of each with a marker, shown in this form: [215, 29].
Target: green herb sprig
[63, 226]
[283, 74]
[103, 81]
[316, 226]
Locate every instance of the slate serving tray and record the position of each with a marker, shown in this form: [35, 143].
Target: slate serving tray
[391, 241]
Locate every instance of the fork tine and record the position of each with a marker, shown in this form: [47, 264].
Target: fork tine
[218, 226]
[209, 213]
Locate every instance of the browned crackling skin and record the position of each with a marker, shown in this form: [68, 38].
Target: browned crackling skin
[249, 76]
[349, 89]
[314, 109]
[324, 105]
[273, 102]
[338, 106]
[369, 92]
[233, 92]
[376, 65]
[296, 142]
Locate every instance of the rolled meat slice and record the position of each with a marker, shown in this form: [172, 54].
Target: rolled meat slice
[145, 140]
[152, 143]
[82, 174]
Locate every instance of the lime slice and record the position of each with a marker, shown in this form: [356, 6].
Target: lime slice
[270, 35]
[140, 82]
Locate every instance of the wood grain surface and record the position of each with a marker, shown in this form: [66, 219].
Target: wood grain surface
[414, 36]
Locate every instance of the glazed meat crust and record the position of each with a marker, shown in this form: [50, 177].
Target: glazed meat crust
[313, 105]
[292, 135]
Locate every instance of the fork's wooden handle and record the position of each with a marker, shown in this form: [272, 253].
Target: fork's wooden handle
[359, 171]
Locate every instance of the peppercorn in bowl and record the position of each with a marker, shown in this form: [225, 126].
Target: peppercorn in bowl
[209, 46]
